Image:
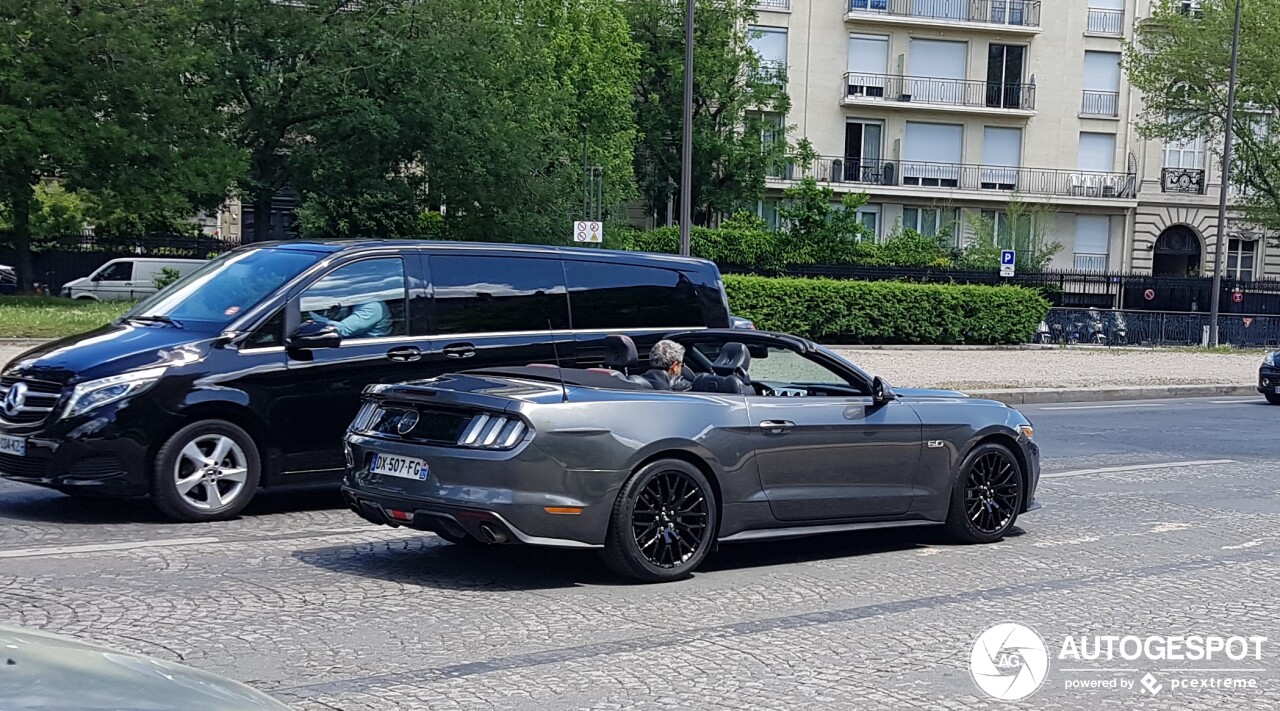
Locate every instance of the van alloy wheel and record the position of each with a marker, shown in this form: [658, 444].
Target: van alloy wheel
[211, 471]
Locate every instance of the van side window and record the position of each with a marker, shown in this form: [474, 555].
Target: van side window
[268, 334]
[120, 271]
[363, 299]
[604, 295]
[497, 294]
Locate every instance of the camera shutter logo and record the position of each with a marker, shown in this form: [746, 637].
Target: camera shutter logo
[1009, 661]
[15, 399]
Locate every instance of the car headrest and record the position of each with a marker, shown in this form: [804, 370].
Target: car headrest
[620, 352]
[734, 359]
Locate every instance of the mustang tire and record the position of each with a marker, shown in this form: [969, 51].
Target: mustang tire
[987, 495]
[207, 471]
[663, 523]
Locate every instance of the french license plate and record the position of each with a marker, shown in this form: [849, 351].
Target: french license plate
[404, 467]
[13, 446]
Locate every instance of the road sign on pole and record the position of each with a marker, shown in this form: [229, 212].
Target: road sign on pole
[1007, 260]
[590, 232]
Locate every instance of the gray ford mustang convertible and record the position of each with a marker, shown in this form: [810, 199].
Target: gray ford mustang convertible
[778, 437]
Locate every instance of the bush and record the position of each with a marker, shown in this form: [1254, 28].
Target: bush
[838, 311]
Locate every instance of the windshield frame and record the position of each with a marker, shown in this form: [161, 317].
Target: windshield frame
[249, 313]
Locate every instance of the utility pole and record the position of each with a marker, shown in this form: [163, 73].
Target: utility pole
[686, 148]
[1215, 302]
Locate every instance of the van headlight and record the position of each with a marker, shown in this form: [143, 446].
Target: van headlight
[96, 393]
[1270, 358]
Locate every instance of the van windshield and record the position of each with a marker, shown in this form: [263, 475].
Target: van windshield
[212, 296]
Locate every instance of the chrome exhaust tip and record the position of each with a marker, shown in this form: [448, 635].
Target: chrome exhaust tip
[492, 534]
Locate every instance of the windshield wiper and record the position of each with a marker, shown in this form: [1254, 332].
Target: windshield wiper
[156, 318]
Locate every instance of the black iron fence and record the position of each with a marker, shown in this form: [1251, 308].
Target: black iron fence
[58, 261]
[1106, 22]
[1156, 328]
[1100, 103]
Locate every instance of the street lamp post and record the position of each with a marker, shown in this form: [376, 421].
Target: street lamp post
[1226, 179]
[686, 148]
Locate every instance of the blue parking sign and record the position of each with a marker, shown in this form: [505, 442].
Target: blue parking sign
[1007, 257]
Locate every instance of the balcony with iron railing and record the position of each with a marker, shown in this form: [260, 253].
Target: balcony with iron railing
[775, 5]
[1090, 262]
[771, 71]
[868, 174]
[930, 93]
[1100, 104]
[1022, 16]
[1188, 181]
[1106, 22]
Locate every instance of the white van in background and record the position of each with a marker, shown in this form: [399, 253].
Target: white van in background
[127, 278]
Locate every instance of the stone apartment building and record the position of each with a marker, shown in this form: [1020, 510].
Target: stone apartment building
[943, 109]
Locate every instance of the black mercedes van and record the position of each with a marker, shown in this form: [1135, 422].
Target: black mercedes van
[246, 373]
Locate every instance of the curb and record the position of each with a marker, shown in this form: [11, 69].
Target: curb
[23, 342]
[1038, 396]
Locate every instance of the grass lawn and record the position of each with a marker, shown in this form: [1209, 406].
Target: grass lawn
[52, 317]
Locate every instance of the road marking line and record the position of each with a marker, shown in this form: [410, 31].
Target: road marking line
[101, 547]
[1100, 407]
[1137, 468]
[1246, 544]
[1241, 401]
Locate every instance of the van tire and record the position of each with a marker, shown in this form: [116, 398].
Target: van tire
[206, 471]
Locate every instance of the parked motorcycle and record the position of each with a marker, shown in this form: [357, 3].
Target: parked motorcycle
[1095, 331]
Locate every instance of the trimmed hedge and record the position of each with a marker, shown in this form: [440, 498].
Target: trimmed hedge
[838, 311]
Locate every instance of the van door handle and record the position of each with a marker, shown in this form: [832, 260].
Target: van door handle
[459, 350]
[406, 354]
[776, 426]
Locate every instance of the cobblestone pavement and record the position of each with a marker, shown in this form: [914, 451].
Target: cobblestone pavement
[1032, 368]
[303, 600]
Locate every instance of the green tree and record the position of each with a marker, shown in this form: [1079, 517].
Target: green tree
[735, 142]
[105, 95]
[1022, 227]
[1180, 62]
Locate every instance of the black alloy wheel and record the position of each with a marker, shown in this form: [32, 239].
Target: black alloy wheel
[987, 496]
[663, 523]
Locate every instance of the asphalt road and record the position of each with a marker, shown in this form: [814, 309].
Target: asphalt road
[1159, 519]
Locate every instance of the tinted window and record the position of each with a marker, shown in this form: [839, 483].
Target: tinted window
[488, 294]
[120, 271]
[627, 296]
[268, 334]
[364, 299]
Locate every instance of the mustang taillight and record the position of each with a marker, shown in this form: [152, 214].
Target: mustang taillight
[493, 432]
[364, 418]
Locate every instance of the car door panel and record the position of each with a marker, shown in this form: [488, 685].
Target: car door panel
[825, 458]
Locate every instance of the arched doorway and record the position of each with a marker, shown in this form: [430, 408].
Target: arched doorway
[1177, 252]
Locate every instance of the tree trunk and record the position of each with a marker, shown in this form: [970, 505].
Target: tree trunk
[262, 215]
[21, 198]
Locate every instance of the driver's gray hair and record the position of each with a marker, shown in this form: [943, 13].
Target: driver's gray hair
[665, 353]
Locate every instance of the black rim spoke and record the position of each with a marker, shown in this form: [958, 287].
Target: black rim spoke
[670, 519]
[992, 491]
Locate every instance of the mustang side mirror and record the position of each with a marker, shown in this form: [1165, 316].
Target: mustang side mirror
[881, 393]
[313, 336]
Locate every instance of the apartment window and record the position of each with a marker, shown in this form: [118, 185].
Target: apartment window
[1189, 7]
[1009, 232]
[1106, 17]
[929, 221]
[1093, 239]
[875, 5]
[863, 149]
[1005, 66]
[1184, 154]
[945, 66]
[868, 65]
[1001, 157]
[1241, 255]
[1097, 152]
[869, 217]
[770, 45]
[768, 211]
[932, 154]
[1101, 84]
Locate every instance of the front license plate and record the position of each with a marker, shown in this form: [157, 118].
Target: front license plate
[13, 446]
[404, 467]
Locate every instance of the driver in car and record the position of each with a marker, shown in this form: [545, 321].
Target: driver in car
[666, 362]
[371, 319]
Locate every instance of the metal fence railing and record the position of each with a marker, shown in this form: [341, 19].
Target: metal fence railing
[1100, 103]
[1018, 13]
[1156, 328]
[1106, 22]
[946, 92]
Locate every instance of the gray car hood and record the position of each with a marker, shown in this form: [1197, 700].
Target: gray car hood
[927, 393]
[44, 672]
